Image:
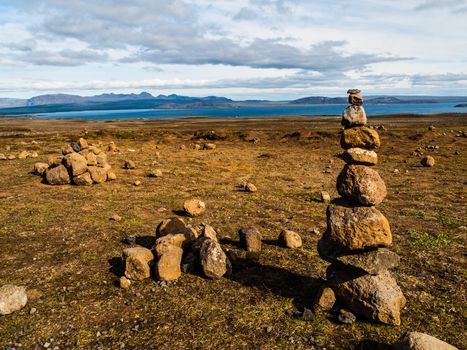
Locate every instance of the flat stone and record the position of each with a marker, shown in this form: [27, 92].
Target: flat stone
[353, 116]
[372, 261]
[361, 184]
[352, 227]
[12, 298]
[361, 137]
[129, 164]
[377, 297]
[421, 341]
[250, 239]
[360, 156]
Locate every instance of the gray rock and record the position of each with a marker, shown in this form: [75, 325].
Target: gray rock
[346, 317]
[12, 298]
[213, 260]
[353, 116]
[250, 239]
[57, 176]
[371, 261]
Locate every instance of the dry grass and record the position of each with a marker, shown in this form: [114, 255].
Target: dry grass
[60, 242]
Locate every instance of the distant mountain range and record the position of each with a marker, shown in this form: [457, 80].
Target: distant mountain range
[144, 100]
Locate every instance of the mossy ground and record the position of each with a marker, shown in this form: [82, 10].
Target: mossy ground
[59, 242]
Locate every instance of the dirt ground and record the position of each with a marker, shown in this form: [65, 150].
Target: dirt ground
[58, 241]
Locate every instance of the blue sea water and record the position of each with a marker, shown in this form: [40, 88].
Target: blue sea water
[260, 111]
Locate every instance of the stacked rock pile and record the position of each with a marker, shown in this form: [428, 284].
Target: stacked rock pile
[178, 248]
[80, 164]
[358, 234]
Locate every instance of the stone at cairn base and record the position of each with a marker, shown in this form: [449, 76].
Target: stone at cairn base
[377, 297]
[421, 341]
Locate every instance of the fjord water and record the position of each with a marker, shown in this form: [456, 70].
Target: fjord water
[259, 111]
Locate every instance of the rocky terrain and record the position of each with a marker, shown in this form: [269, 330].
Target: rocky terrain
[252, 195]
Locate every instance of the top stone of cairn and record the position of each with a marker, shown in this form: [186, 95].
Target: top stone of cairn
[355, 98]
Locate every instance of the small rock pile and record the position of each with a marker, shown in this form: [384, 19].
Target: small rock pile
[357, 233]
[178, 248]
[81, 164]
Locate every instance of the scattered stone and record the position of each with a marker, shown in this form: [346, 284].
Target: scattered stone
[360, 156]
[137, 260]
[194, 207]
[137, 183]
[290, 239]
[428, 161]
[116, 217]
[325, 299]
[250, 239]
[129, 239]
[421, 341]
[307, 315]
[325, 197]
[83, 180]
[111, 176]
[3, 157]
[372, 261]
[129, 164]
[23, 155]
[353, 116]
[40, 168]
[112, 147]
[171, 226]
[214, 262]
[374, 296]
[11, 157]
[168, 266]
[32, 311]
[12, 298]
[209, 146]
[155, 173]
[124, 282]
[353, 227]
[57, 176]
[249, 187]
[431, 128]
[361, 184]
[346, 317]
[361, 137]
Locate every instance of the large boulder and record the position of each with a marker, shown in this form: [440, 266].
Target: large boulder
[353, 116]
[377, 297]
[421, 341]
[83, 180]
[12, 298]
[360, 156]
[361, 184]
[361, 137]
[290, 239]
[353, 227]
[171, 226]
[372, 261]
[213, 260]
[250, 239]
[194, 207]
[168, 267]
[57, 176]
[137, 263]
[76, 163]
[98, 174]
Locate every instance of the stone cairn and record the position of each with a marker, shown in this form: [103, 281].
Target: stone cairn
[80, 164]
[358, 234]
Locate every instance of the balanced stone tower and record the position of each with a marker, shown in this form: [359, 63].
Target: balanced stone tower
[358, 234]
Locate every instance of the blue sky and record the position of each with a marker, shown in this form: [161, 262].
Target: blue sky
[274, 49]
